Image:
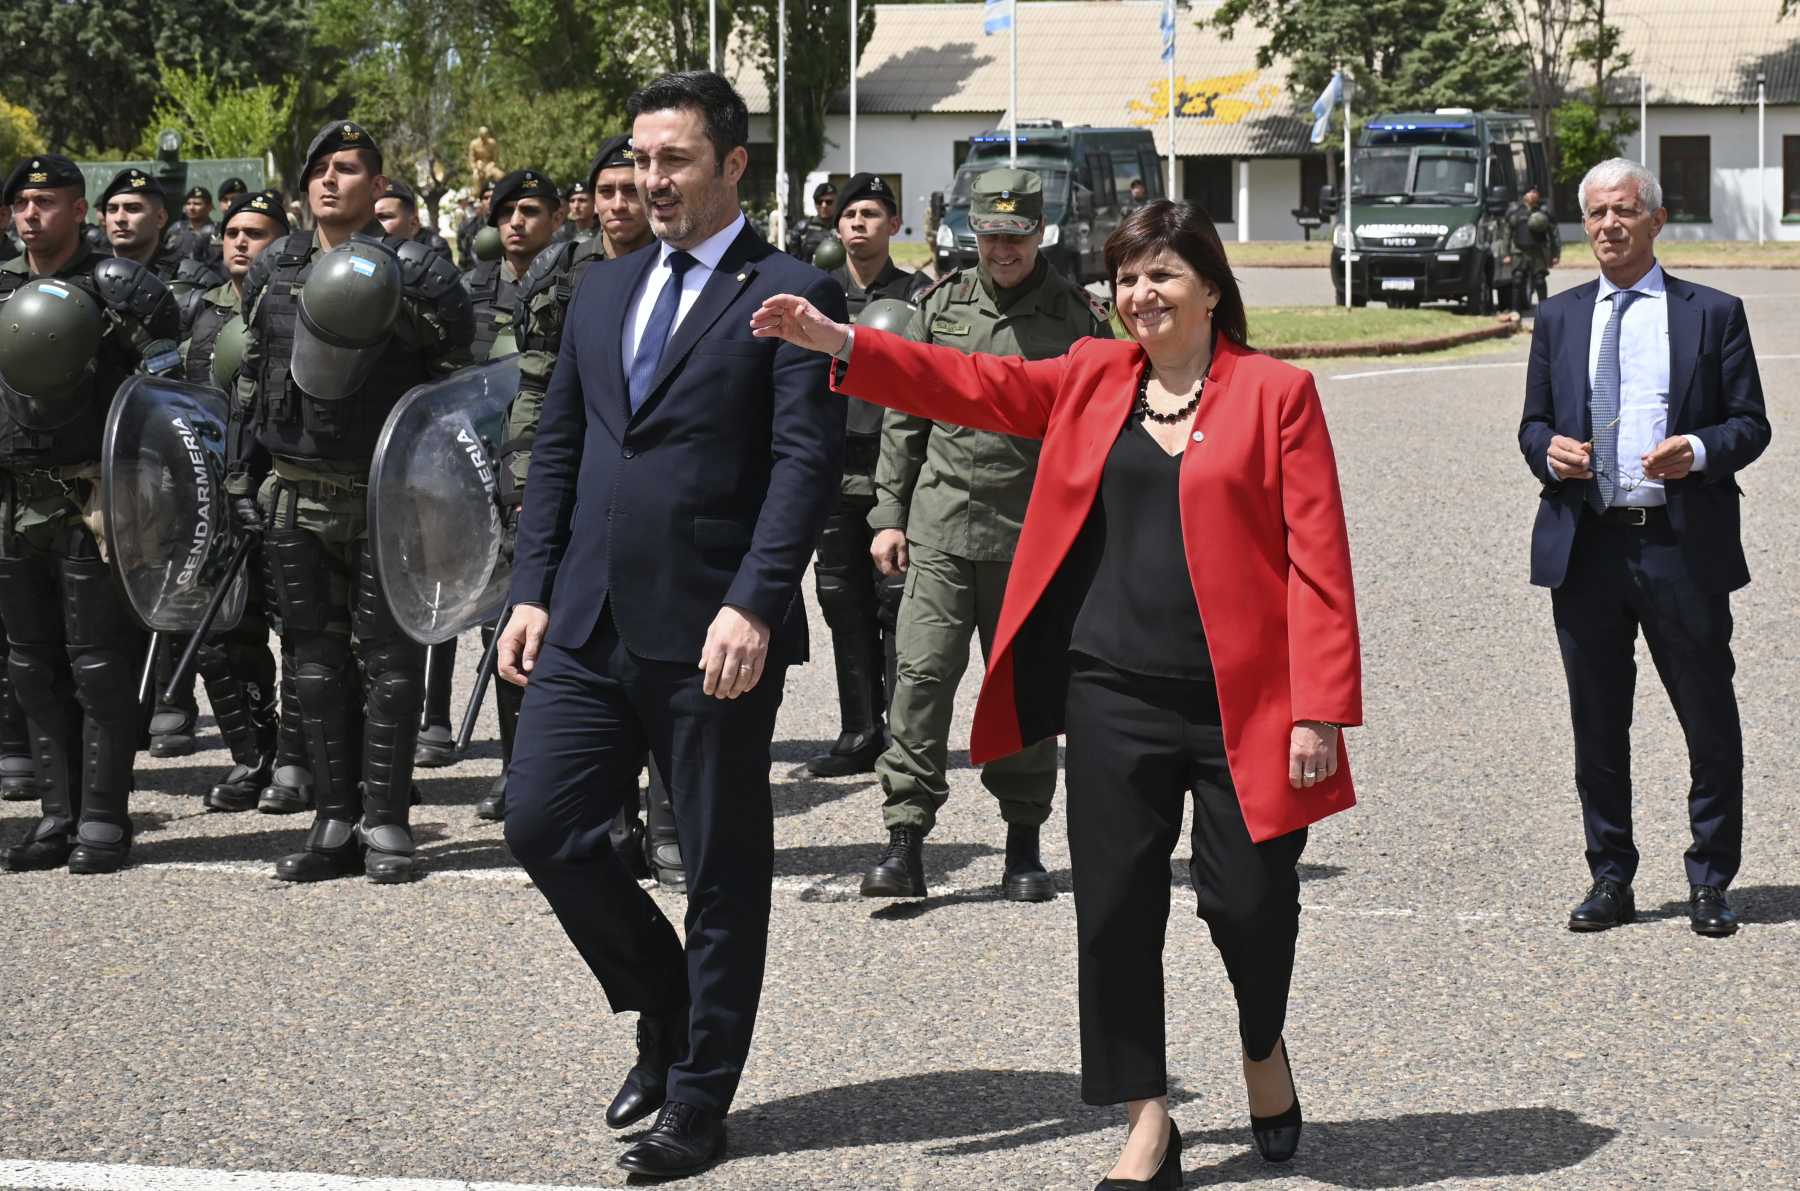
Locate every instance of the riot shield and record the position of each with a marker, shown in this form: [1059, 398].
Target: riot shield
[436, 524]
[165, 515]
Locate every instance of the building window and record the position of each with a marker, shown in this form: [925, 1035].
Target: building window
[1790, 175]
[1312, 180]
[1687, 178]
[1206, 182]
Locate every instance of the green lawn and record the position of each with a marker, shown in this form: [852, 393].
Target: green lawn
[1701, 254]
[1280, 326]
[910, 256]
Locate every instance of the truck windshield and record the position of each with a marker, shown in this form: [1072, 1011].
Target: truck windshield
[1404, 174]
[1056, 182]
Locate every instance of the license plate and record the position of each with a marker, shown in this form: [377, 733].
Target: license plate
[1402, 283]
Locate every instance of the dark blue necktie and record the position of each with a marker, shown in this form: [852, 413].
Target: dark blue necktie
[656, 332]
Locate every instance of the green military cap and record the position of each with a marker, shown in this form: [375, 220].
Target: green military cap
[336, 137]
[1006, 202]
[517, 185]
[131, 180]
[46, 171]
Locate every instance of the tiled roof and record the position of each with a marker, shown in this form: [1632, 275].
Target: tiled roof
[1095, 62]
[1706, 52]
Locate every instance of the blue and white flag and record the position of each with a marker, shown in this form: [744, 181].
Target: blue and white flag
[996, 16]
[1329, 98]
[1168, 30]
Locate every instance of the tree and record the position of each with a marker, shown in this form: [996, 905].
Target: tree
[19, 135]
[1558, 37]
[214, 118]
[90, 70]
[818, 68]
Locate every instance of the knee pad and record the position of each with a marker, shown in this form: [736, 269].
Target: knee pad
[39, 673]
[94, 609]
[105, 684]
[308, 585]
[844, 542]
[395, 681]
[28, 599]
[370, 617]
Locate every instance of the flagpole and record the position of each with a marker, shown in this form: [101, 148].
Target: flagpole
[852, 88]
[712, 35]
[1013, 116]
[1172, 100]
[781, 186]
[1348, 207]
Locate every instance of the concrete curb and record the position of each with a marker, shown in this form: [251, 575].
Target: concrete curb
[1392, 347]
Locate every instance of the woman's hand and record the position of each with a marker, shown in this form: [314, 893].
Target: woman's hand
[799, 322]
[1312, 754]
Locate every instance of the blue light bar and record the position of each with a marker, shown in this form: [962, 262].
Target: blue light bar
[1427, 125]
[995, 140]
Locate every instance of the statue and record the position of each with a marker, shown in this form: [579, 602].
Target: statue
[484, 158]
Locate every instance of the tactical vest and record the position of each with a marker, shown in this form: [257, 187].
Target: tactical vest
[288, 421]
[202, 336]
[492, 298]
[78, 440]
[543, 304]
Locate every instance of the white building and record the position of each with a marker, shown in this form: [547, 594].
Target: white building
[929, 80]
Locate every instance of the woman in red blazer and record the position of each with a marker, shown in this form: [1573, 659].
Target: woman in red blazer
[1181, 606]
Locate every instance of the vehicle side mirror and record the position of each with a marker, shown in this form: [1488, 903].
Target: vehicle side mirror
[937, 204]
[1498, 200]
[1328, 199]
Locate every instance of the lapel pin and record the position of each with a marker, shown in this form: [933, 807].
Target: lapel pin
[741, 276]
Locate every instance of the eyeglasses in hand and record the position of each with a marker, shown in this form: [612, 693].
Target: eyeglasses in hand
[1625, 481]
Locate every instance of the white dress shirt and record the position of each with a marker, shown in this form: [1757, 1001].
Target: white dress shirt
[1643, 381]
[707, 255]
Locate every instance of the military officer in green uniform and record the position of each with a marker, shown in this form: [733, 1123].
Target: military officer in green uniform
[341, 322]
[860, 605]
[949, 506]
[1535, 247]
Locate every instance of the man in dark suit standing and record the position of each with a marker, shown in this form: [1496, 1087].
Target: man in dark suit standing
[680, 476]
[1642, 403]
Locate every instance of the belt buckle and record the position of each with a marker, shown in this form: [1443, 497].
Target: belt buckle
[1637, 515]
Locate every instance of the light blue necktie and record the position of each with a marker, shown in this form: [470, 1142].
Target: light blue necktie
[656, 333]
[1603, 408]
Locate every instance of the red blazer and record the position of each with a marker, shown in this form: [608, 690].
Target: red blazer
[1262, 522]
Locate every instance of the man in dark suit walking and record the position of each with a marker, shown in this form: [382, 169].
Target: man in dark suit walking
[681, 473]
[1642, 403]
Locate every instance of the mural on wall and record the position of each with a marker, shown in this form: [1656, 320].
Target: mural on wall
[1223, 99]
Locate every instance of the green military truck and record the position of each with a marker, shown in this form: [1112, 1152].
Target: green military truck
[1429, 195]
[1087, 174]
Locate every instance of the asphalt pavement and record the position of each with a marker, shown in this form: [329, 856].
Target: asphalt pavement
[192, 1017]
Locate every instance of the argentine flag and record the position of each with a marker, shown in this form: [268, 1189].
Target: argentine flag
[996, 16]
[1168, 30]
[1329, 98]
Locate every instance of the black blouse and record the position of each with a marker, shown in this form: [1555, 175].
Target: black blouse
[1139, 612]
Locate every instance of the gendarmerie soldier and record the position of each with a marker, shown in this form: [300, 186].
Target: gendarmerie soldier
[623, 227]
[194, 236]
[858, 603]
[526, 210]
[810, 231]
[472, 226]
[79, 325]
[398, 211]
[581, 223]
[341, 322]
[269, 768]
[134, 215]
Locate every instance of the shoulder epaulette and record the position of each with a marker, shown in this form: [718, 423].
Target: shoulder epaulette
[939, 284]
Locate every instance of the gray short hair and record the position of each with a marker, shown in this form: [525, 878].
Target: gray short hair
[1619, 171]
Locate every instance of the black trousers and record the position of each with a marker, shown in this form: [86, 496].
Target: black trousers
[1622, 578]
[590, 715]
[1137, 746]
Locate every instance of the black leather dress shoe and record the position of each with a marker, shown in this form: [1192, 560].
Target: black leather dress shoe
[666, 866]
[1168, 1171]
[662, 1040]
[901, 870]
[685, 1140]
[493, 807]
[1608, 904]
[1710, 914]
[1025, 879]
[851, 754]
[1278, 1137]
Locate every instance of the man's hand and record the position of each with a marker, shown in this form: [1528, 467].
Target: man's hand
[1312, 753]
[736, 649]
[1671, 459]
[1570, 460]
[520, 642]
[889, 551]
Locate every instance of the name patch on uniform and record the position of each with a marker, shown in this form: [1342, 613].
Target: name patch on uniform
[362, 266]
[945, 325]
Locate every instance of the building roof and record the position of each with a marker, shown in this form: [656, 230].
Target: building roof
[1705, 53]
[1082, 62]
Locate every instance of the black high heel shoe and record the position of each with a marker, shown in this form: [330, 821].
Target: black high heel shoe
[1167, 1176]
[1278, 1137]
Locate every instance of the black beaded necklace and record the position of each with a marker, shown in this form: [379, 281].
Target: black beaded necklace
[1169, 419]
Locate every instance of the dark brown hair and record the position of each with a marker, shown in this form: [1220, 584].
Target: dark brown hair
[1188, 232]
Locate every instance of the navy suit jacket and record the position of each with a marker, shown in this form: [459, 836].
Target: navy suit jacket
[713, 493]
[1715, 394]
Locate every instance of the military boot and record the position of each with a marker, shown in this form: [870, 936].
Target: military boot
[332, 847]
[103, 833]
[58, 785]
[437, 744]
[388, 794]
[290, 788]
[901, 870]
[1025, 879]
[172, 725]
[18, 772]
[507, 699]
[247, 724]
[857, 650]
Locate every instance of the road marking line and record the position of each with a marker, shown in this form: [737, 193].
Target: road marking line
[101, 1176]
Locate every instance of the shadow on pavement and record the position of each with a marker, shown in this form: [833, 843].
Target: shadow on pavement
[802, 793]
[1415, 1149]
[844, 860]
[1765, 904]
[181, 781]
[973, 1112]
